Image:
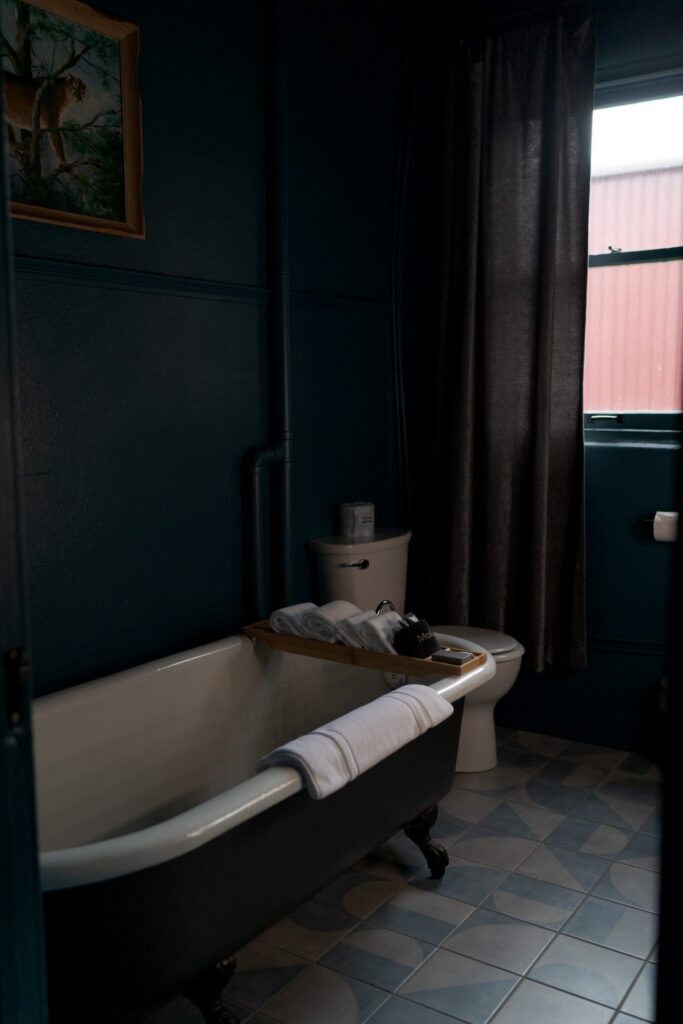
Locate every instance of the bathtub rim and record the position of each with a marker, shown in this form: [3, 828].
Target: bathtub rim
[135, 851]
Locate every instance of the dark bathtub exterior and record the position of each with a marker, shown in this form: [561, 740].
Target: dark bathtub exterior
[127, 943]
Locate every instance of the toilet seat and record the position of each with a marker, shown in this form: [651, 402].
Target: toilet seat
[495, 643]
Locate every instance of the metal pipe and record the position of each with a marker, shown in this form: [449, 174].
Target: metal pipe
[256, 594]
[279, 220]
[280, 451]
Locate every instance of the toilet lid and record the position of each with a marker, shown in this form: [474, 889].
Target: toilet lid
[489, 639]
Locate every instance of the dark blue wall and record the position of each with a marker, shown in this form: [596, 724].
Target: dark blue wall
[144, 364]
[630, 473]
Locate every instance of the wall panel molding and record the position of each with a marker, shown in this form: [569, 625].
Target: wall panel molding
[125, 279]
[92, 276]
[620, 645]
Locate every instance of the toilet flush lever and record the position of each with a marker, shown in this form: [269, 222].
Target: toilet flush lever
[363, 563]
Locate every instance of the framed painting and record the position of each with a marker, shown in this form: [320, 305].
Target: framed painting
[72, 112]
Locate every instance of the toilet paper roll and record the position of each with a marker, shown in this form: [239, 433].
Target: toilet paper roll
[665, 526]
[357, 520]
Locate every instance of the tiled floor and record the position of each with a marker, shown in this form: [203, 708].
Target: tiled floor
[546, 914]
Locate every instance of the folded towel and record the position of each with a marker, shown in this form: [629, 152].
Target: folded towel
[288, 620]
[378, 631]
[338, 752]
[323, 623]
[350, 628]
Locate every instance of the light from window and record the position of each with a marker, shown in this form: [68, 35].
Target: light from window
[634, 318]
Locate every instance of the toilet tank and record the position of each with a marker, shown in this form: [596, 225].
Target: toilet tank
[363, 572]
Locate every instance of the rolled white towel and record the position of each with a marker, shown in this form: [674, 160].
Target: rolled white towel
[378, 632]
[350, 628]
[288, 620]
[323, 623]
[338, 752]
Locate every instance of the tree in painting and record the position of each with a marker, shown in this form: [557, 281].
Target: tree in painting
[62, 86]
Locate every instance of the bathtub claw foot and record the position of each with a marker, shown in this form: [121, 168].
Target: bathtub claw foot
[418, 830]
[206, 993]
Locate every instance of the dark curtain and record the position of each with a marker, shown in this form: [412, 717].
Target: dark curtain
[499, 514]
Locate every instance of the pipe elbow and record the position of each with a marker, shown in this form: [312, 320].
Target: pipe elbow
[264, 454]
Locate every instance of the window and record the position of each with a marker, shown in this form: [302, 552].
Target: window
[634, 319]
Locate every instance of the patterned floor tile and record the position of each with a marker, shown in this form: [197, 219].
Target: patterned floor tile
[635, 790]
[633, 886]
[357, 893]
[536, 902]
[309, 931]
[586, 970]
[549, 796]
[497, 849]
[532, 1003]
[400, 1011]
[508, 757]
[571, 773]
[262, 971]
[468, 806]
[636, 764]
[590, 837]
[424, 915]
[536, 743]
[610, 809]
[464, 880]
[654, 955]
[321, 995]
[449, 828]
[365, 948]
[503, 732]
[614, 925]
[589, 753]
[500, 941]
[642, 852]
[564, 867]
[522, 820]
[459, 986]
[641, 1000]
[498, 782]
[652, 826]
[399, 858]
[378, 956]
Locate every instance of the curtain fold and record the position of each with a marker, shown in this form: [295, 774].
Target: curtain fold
[500, 510]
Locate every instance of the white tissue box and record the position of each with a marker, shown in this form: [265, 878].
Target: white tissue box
[357, 520]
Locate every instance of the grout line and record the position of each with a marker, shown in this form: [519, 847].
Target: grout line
[414, 878]
[628, 993]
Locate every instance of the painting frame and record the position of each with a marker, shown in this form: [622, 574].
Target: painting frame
[127, 37]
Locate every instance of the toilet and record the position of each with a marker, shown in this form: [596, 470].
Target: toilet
[370, 571]
[477, 747]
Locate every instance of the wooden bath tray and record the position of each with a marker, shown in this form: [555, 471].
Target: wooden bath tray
[415, 667]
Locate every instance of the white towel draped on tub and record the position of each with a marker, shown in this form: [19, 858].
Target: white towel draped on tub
[323, 623]
[288, 620]
[338, 752]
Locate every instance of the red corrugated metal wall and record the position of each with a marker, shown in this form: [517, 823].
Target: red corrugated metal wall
[634, 318]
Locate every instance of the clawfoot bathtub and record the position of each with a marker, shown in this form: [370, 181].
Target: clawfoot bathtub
[163, 850]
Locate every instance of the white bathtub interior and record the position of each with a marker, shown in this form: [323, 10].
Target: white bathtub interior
[133, 749]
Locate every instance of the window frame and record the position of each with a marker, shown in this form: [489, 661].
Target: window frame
[637, 423]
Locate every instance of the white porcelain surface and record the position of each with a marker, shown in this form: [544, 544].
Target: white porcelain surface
[477, 746]
[384, 578]
[148, 764]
